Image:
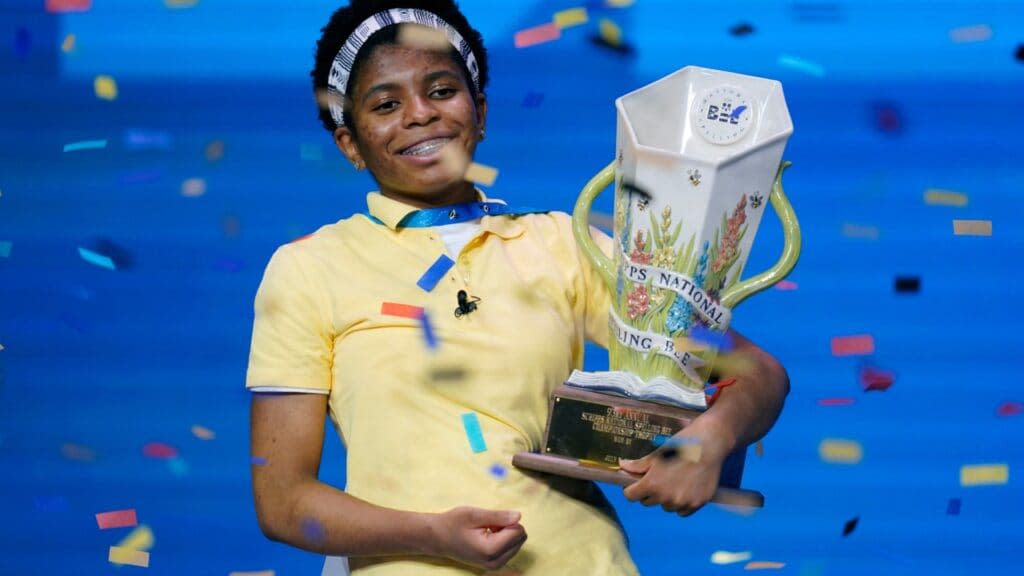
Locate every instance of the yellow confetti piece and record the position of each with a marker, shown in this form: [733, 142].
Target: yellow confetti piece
[937, 197]
[105, 87]
[725, 557]
[571, 17]
[141, 538]
[481, 174]
[972, 227]
[620, 3]
[422, 37]
[119, 555]
[762, 565]
[68, 45]
[180, 3]
[202, 432]
[193, 187]
[984, 474]
[263, 573]
[610, 32]
[840, 451]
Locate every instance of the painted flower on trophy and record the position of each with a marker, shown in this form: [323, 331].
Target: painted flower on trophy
[680, 315]
[730, 239]
[637, 302]
[640, 255]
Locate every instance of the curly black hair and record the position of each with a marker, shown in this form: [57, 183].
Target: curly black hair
[344, 21]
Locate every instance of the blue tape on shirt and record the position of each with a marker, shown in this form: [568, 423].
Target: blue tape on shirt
[428, 331]
[476, 438]
[435, 273]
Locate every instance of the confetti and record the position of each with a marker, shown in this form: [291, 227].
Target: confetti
[119, 555]
[786, 285]
[965, 34]
[138, 139]
[801, 65]
[422, 37]
[850, 526]
[533, 100]
[835, 401]
[312, 530]
[972, 227]
[68, 45]
[105, 87]
[215, 150]
[498, 471]
[55, 6]
[571, 17]
[741, 29]
[610, 32]
[177, 466]
[5, 249]
[139, 539]
[159, 450]
[435, 273]
[953, 507]
[22, 43]
[907, 284]
[1009, 408]
[117, 519]
[857, 231]
[85, 145]
[984, 474]
[937, 197]
[96, 259]
[873, 379]
[720, 340]
[401, 310]
[310, 153]
[481, 174]
[763, 565]
[620, 3]
[1019, 54]
[258, 461]
[858, 345]
[180, 3]
[888, 117]
[448, 374]
[193, 187]
[202, 432]
[759, 449]
[428, 331]
[724, 557]
[473, 433]
[77, 452]
[537, 35]
[840, 451]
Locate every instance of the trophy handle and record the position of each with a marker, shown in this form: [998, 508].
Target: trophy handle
[790, 251]
[581, 225]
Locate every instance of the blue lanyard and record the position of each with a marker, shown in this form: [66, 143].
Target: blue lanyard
[457, 213]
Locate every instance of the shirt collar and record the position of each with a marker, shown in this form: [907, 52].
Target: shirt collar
[391, 212]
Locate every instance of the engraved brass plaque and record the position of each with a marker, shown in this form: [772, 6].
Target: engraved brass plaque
[604, 433]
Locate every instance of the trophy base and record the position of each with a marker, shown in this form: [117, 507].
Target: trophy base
[588, 432]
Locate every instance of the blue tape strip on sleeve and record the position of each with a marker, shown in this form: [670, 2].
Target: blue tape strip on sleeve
[476, 438]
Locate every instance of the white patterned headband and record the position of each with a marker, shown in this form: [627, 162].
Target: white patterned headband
[337, 81]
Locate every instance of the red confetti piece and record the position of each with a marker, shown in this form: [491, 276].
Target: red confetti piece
[538, 35]
[786, 285]
[159, 450]
[1009, 409]
[401, 310]
[54, 6]
[872, 379]
[835, 401]
[117, 519]
[858, 345]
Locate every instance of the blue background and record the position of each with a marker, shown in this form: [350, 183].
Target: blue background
[112, 360]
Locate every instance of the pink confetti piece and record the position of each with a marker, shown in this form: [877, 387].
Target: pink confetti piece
[786, 285]
[873, 379]
[858, 345]
[835, 401]
[1009, 408]
[159, 450]
[117, 519]
[56, 6]
[537, 35]
[401, 310]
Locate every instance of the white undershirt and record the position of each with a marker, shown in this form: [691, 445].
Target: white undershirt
[456, 236]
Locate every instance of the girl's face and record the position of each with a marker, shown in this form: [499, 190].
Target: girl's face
[414, 113]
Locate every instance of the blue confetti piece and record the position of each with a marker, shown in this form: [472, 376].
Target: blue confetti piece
[85, 145]
[476, 438]
[138, 139]
[97, 259]
[178, 467]
[719, 340]
[953, 508]
[312, 530]
[5, 249]
[498, 471]
[258, 461]
[662, 440]
[428, 331]
[802, 65]
[435, 273]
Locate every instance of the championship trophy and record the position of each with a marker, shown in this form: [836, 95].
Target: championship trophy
[699, 157]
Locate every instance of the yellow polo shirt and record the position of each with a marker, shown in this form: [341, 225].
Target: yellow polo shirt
[399, 406]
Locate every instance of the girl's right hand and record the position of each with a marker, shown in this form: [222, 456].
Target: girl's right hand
[483, 538]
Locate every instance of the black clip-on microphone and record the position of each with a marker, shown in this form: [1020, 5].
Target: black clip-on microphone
[465, 304]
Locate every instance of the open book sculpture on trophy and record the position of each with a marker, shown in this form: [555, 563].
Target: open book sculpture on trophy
[698, 161]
